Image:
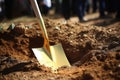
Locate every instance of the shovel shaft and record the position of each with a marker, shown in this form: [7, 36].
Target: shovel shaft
[42, 25]
[39, 16]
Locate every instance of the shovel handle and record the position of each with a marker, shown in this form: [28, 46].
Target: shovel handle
[42, 25]
[39, 16]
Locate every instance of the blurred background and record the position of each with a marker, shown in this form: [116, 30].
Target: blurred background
[10, 9]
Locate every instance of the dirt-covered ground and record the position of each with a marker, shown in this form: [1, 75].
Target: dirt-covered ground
[92, 48]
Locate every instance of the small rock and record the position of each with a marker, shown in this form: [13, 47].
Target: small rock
[88, 76]
[100, 47]
[85, 35]
[101, 57]
[113, 45]
[11, 27]
[81, 39]
[28, 26]
[119, 65]
[64, 22]
[1, 29]
[57, 28]
[118, 56]
[19, 28]
[110, 30]
[71, 41]
[71, 32]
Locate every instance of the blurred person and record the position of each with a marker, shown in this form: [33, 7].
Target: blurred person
[94, 6]
[9, 8]
[118, 9]
[113, 6]
[74, 7]
[13, 8]
[2, 10]
[102, 8]
[110, 8]
[58, 6]
[88, 4]
[110, 5]
[45, 6]
[81, 9]
[26, 8]
[66, 9]
[100, 5]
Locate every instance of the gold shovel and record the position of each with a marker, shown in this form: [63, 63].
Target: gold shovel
[50, 56]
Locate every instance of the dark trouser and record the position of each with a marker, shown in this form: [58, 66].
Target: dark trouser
[110, 6]
[66, 8]
[80, 8]
[45, 9]
[26, 8]
[94, 5]
[87, 6]
[57, 6]
[118, 8]
[102, 7]
[2, 12]
[113, 6]
[9, 8]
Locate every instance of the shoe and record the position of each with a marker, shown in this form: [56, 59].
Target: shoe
[83, 20]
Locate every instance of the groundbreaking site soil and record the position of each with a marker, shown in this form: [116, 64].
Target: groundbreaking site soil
[92, 48]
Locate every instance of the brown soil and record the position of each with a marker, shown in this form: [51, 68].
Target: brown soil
[92, 48]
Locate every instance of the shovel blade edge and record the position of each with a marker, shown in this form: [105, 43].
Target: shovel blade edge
[58, 55]
[43, 58]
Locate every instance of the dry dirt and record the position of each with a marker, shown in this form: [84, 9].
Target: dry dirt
[92, 48]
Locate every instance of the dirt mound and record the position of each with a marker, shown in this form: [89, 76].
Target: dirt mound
[93, 51]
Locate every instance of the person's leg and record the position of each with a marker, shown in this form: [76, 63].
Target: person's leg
[28, 8]
[45, 10]
[109, 6]
[80, 9]
[87, 6]
[102, 8]
[2, 14]
[57, 7]
[73, 7]
[84, 7]
[8, 8]
[118, 9]
[66, 9]
[94, 5]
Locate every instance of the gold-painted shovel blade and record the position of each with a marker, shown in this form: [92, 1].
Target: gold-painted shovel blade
[59, 58]
[43, 57]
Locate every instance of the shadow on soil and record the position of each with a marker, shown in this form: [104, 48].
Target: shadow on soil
[24, 66]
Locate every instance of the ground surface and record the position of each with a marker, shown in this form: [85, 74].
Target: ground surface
[92, 48]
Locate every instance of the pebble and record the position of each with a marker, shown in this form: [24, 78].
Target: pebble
[11, 27]
[1, 28]
[119, 65]
[85, 35]
[57, 28]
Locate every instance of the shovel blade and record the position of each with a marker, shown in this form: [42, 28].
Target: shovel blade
[59, 58]
[43, 58]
